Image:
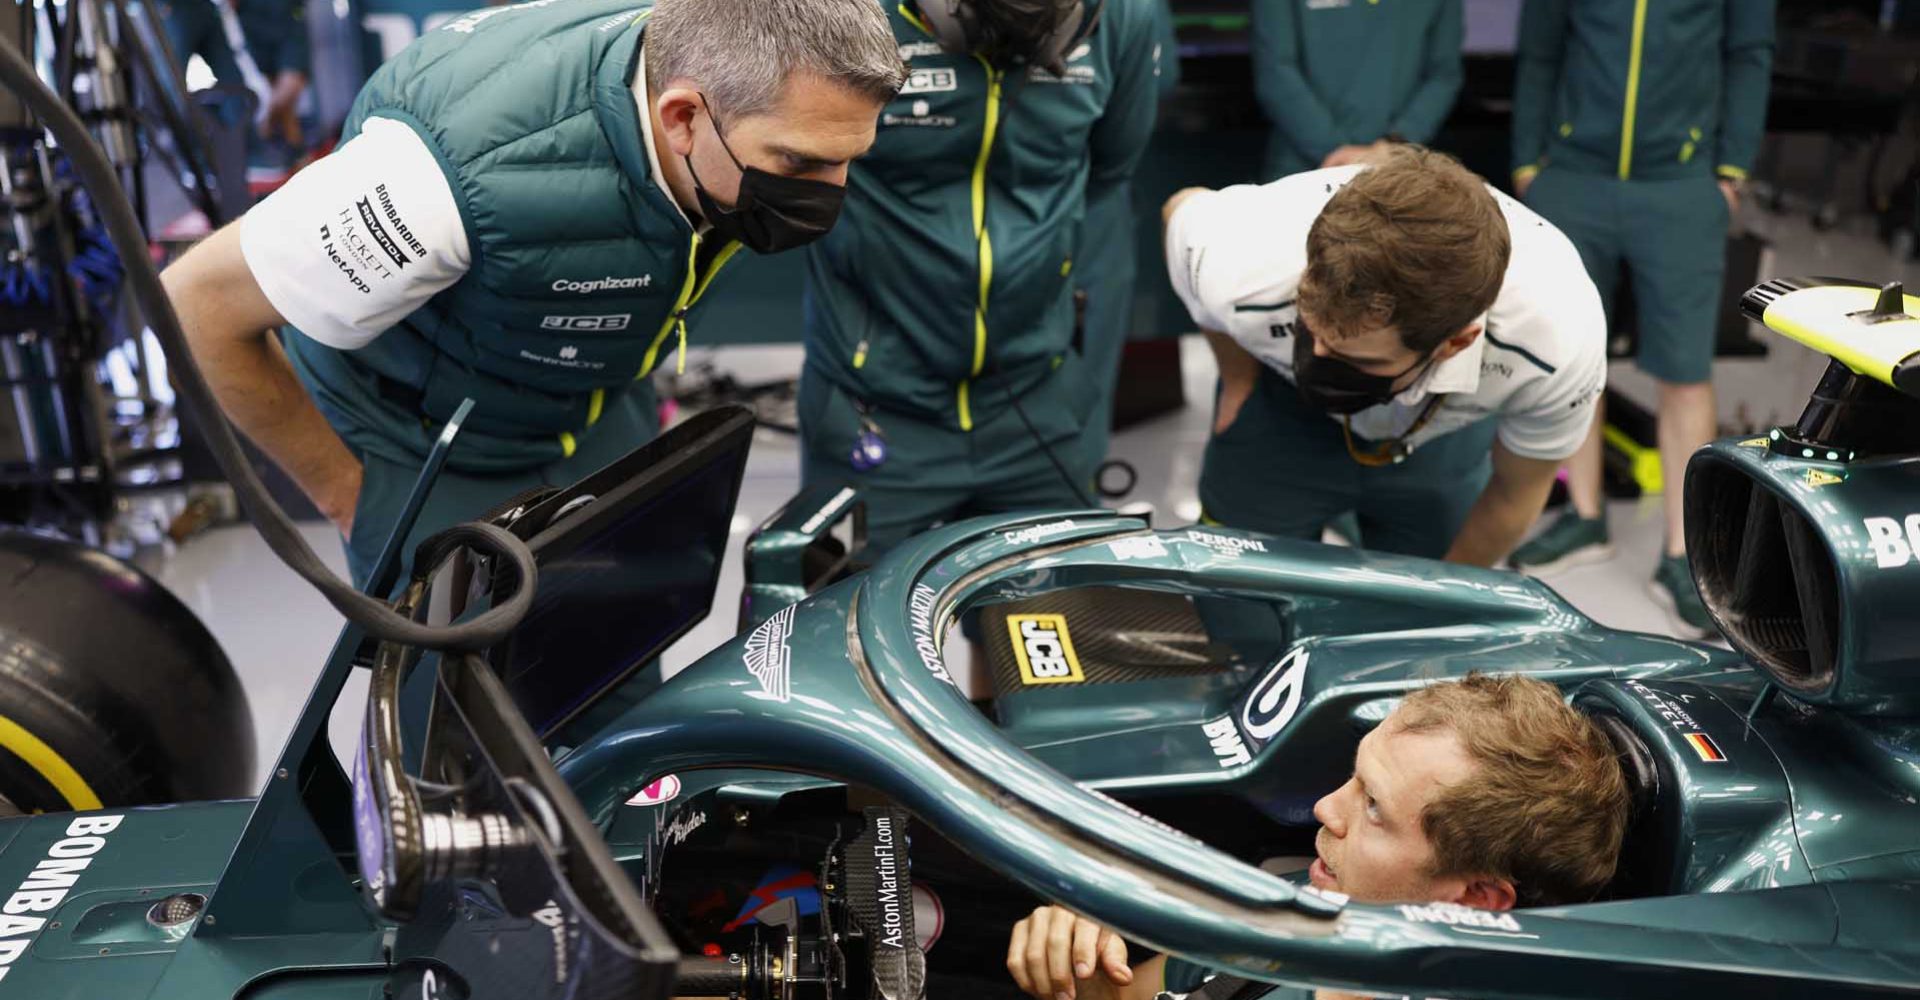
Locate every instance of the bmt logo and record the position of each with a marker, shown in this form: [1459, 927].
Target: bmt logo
[1044, 649]
[1892, 547]
[569, 352]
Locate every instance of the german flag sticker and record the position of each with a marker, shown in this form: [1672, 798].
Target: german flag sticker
[1704, 747]
[1045, 652]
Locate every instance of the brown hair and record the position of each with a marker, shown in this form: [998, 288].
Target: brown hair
[1548, 804]
[1415, 242]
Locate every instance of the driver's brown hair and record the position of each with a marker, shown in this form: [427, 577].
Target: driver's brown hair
[1547, 806]
[1414, 242]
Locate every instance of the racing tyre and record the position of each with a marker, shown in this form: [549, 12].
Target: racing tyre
[112, 693]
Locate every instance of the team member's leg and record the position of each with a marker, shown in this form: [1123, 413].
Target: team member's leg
[1677, 268]
[455, 497]
[1281, 467]
[921, 482]
[1042, 455]
[1416, 507]
[1585, 207]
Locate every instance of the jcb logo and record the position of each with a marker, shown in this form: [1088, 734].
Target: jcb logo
[1045, 651]
[615, 322]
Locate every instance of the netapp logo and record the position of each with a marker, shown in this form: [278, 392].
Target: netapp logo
[617, 321]
[47, 886]
[608, 284]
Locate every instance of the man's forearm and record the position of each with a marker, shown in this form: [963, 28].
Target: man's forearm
[255, 383]
[1237, 367]
[1495, 525]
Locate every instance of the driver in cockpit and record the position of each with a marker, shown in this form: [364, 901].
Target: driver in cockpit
[1488, 792]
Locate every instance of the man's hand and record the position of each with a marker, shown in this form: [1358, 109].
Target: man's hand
[1056, 953]
[1730, 190]
[1239, 373]
[1343, 155]
[342, 500]
[283, 108]
[1234, 393]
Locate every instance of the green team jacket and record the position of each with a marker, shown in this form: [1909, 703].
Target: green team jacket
[947, 279]
[1331, 73]
[1646, 89]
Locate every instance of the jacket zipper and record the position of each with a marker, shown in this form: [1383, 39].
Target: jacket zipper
[676, 322]
[982, 241]
[1633, 87]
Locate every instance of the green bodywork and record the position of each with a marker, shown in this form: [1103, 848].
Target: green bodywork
[1781, 844]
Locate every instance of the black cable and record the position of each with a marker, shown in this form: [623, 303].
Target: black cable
[374, 616]
[1065, 477]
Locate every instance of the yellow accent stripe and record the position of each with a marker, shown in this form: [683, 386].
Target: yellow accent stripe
[690, 292]
[595, 404]
[981, 239]
[913, 18]
[1643, 462]
[980, 314]
[1819, 318]
[685, 297]
[48, 764]
[1526, 173]
[1731, 172]
[1633, 87]
[567, 445]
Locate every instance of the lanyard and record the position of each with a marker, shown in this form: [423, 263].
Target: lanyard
[1394, 450]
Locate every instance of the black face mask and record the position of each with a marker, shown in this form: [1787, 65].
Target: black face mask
[1335, 386]
[772, 213]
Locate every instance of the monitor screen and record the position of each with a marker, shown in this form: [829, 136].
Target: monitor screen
[625, 574]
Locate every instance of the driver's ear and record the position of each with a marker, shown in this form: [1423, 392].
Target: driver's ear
[1484, 893]
[678, 108]
[1460, 341]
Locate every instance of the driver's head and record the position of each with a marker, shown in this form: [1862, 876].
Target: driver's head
[1489, 792]
[788, 90]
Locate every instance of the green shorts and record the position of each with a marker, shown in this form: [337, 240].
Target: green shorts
[1283, 468]
[1672, 237]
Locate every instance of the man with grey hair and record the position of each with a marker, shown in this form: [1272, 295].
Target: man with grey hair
[527, 204]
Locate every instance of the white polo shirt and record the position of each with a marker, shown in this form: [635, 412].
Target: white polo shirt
[1235, 257]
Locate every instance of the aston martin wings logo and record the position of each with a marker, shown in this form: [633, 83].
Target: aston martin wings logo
[767, 657]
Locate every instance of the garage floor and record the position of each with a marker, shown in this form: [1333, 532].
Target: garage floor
[278, 632]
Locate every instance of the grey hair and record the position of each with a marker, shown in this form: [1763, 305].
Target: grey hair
[741, 52]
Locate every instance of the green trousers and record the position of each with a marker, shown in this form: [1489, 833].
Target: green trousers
[626, 424]
[1283, 468]
[934, 473]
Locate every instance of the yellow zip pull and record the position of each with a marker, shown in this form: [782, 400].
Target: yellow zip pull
[860, 355]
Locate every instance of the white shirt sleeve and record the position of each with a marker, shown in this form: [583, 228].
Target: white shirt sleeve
[1193, 235]
[359, 239]
[1549, 418]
